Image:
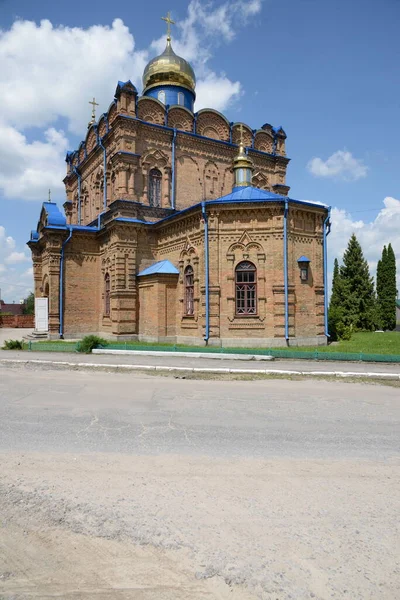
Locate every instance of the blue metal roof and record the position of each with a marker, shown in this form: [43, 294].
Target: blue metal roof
[242, 194]
[303, 259]
[164, 267]
[54, 216]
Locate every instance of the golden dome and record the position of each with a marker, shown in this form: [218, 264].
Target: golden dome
[169, 69]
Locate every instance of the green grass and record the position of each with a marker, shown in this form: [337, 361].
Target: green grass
[364, 342]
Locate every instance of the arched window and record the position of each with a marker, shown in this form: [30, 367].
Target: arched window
[155, 187]
[181, 99]
[161, 97]
[246, 288]
[107, 291]
[189, 291]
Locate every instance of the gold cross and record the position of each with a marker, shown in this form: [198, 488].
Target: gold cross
[241, 134]
[94, 104]
[169, 22]
[49, 195]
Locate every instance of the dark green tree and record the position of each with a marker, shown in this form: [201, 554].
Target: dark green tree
[356, 294]
[386, 288]
[335, 312]
[29, 303]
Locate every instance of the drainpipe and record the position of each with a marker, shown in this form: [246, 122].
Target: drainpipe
[327, 230]
[105, 173]
[195, 123]
[173, 170]
[79, 176]
[207, 271]
[230, 133]
[285, 270]
[61, 286]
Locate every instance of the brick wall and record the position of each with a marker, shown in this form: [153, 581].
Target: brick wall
[17, 321]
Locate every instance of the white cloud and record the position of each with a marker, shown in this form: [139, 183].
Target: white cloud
[384, 229]
[49, 72]
[341, 165]
[28, 170]
[15, 282]
[15, 258]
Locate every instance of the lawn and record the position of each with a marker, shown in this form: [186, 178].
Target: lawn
[363, 342]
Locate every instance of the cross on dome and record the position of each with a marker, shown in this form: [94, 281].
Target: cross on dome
[94, 104]
[169, 22]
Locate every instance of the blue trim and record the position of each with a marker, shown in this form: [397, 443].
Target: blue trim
[105, 171]
[206, 271]
[173, 171]
[61, 286]
[303, 259]
[79, 176]
[285, 269]
[171, 95]
[326, 232]
[54, 215]
[162, 267]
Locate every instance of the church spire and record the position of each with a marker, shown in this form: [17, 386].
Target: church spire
[242, 165]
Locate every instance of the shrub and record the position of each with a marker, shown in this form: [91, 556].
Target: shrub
[90, 342]
[13, 345]
[344, 332]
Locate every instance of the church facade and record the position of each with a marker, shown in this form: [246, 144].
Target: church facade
[178, 227]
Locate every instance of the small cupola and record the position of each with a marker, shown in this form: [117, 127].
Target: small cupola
[242, 166]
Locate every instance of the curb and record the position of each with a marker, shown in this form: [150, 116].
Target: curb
[153, 368]
[212, 355]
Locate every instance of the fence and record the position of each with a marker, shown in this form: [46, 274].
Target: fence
[18, 321]
[275, 352]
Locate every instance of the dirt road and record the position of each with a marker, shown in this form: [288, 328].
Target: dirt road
[122, 487]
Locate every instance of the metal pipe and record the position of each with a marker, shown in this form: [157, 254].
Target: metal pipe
[173, 170]
[285, 270]
[79, 176]
[105, 173]
[61, 286]
[207, 271]
[327, 229]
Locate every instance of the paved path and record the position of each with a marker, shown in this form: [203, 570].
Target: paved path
[165, 360]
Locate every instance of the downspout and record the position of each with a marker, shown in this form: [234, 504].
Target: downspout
[173, 170]
[230, 133]
[79, 176]
[105, 173]
[207, 271]
[285, 270]
[61, 286]
[327, 230]
[195, 124]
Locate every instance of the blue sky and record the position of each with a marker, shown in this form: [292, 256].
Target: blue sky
[326, 71]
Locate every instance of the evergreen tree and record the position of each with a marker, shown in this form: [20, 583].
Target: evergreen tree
[381, 285]
[356, 293]
[391, 294]
[335, 312]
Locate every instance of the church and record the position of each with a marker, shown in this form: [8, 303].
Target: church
[178, 227]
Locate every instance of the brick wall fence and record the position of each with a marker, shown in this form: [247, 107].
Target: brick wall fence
[18, 321]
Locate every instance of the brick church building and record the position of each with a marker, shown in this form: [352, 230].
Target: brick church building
[177, 226]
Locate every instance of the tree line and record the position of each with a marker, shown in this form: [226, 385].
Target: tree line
[355, 303]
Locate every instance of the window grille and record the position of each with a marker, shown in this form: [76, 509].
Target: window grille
[189, 291]
[246, 288]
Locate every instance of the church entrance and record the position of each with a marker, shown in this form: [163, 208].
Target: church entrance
[42, 314]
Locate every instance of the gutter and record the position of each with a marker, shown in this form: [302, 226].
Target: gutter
[326, 231]
[61, 286]
[285, 270]
[173, 171]
[207, 271]
[105, 173]
[79, 176]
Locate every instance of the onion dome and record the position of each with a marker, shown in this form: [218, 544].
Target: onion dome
[168, 69]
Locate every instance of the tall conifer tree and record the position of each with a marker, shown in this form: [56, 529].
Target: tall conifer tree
[357, 296]
[391, 289]
[335, 312]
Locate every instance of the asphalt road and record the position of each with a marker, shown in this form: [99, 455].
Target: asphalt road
[81, 411]
[127, 487]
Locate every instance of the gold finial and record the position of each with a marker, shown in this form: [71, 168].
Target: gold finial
[94, 104]
[241, 134]
[169, 22]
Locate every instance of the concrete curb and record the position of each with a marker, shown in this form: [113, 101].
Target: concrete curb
[217, 356]
[154, 368]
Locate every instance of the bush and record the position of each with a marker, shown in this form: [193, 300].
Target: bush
[344, 332]
[13, 345]
[89, 343]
